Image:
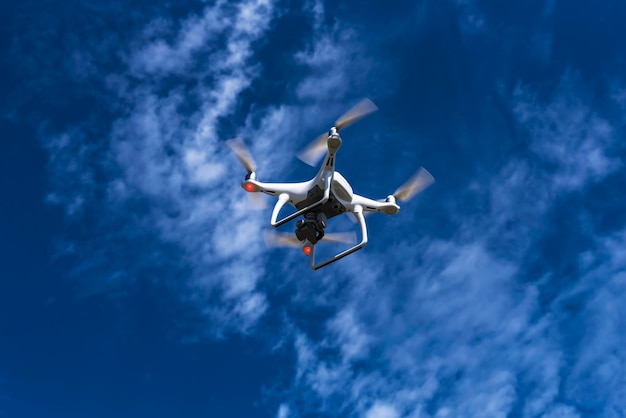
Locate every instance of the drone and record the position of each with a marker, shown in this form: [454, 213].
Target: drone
[326, 195]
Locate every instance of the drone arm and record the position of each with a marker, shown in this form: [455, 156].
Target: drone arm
[387, 206]
[358, 212]
[294, 190]
[284, 198]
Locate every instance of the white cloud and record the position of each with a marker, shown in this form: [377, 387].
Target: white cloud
[196, 33]
[596, 377]
[349, 334]
[459, 323]
[568, 134]
[381, 410]
[175, 160]
[333, 60]
[283, 411]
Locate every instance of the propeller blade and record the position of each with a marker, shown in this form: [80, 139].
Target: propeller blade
[276, 239]
[242, 153]
[360, 110]
[314, 151]
[417, 183]
[340, 237]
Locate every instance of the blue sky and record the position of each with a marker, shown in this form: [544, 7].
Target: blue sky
[133, 276]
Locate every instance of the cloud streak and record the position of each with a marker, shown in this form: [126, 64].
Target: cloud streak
[169, 161]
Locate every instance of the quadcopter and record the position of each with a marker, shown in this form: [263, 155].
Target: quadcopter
[326, 195]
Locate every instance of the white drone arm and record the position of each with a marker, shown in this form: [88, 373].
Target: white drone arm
[388, 206]
[294, 190]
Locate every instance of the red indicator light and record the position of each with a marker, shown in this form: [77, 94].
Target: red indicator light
[249, 187]
[306, 250]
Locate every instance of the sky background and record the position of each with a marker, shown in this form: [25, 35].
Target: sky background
[133, 276]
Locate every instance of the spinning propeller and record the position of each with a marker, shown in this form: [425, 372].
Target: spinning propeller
[316, 149]
[237, 146]
[417, 183]
[277, 239]
[242, 153]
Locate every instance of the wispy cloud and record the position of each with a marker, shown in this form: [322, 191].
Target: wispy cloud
[283, 411]
[594, 306]
[568, 135]
[168, 158]
[161, 56]
[382, 410]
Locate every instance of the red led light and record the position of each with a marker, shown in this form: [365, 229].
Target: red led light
[306, 250]
[249, 187]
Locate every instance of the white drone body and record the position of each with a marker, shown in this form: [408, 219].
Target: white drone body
[326, 195]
